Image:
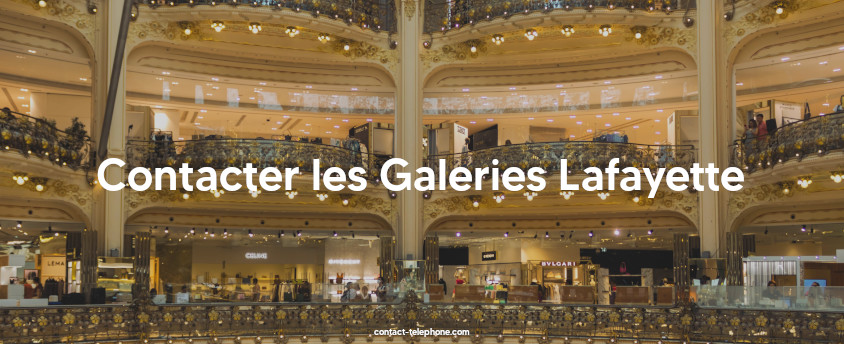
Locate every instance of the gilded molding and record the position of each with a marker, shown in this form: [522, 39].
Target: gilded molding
[409, 8]
[363, 50]
[765, 17]
[741, 200]
[68, 13]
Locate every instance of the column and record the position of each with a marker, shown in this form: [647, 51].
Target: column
[109, 205]
[89, 263]
[682, 277]
[735, 251]
[715, 120]
[432, 260]
[386, 262]
[140, 292]
[409, 230]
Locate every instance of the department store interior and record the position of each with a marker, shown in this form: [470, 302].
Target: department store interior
[206, 87]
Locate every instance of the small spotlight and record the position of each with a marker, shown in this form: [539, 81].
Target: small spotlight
[591, 234]
[546, 235]
[42, 3]
[650, 231]
[335, 233]
[506, 234]
[803, 229]
[457, 234]
[298, 233]
[250, 233]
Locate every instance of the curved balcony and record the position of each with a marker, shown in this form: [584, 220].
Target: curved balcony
[813, 137]
[220, 153]
[334, 322]
[444, 15]
[376, 15]
[36, 137]
[579, 155]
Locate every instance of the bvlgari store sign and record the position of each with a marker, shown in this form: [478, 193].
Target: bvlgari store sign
[554, 264]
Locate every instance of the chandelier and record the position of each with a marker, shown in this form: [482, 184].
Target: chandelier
[530, 195]
[218, 26]
[566, 194]
[804, 182]
[255, 28]
[291, 31]
[498, 197]
[497, 39]
[837, 176]
[530, 34]
[603, 195]
[567, 30]
[323, 38]
[605, 30]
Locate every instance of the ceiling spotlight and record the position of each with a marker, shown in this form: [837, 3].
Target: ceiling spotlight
[650, 231]
[617, 232]
[206, 231]
[497, 39]
[193, 231]
[567, 30]
[92, 9]
[166, 230]
[323, 38]
[42, 3]
[19, 224]
[335, 233]
[591, 234]
[506, 234]
[291, 31]
[298, 233]
[531, 34]
[611, 4]
[605, 30]
[546, 235]
[426, 44]
[457, 234]
[346, 47]
[803, 229]
[218, 26]
[473, 49]
[255, 28]
[425, 194]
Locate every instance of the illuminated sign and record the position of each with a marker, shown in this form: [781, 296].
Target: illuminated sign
[256, 255]
[344, 261]
[559, 263]
[489, 255]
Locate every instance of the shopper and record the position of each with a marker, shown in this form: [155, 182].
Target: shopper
[772, 292]
[256, 290]
[750, 132]
[276, 288]
[815, 295]
[761, 127]
[348, 294]
[381, 290]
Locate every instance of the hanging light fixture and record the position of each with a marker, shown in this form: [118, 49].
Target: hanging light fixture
[638, 32]
[497, 39]
[779, 8]
[804, 182]
[603, 195]
[250, 233]
[498, 197]
[473, 48]
[255, 28]
[567, 30]
[605, 30]
[42, 3]
[322, 196]
[530, 34]
[611, 4]
[566, 194]
[186, 28]
[291, 194]
[20, 178]
[218, 25]
[836, 176]
[323, 38]
[291, 31]
[530, 195]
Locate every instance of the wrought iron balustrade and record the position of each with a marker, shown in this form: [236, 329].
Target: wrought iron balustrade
[261, 153]
[280, 323]
[812, 137]
[444, 15]
[376, 15]
[40, 138]
[579, 155]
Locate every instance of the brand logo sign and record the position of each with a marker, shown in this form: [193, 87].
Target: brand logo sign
[256, 255]
[559, 263]
[489, 255]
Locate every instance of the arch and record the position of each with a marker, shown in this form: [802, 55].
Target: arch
[215, 217]
[42, 209]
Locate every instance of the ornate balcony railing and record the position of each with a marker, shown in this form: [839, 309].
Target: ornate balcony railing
[279, 323]
[444, 15]
[40, 138]
[813, 137]
[261, 153]
[376, 15]
[579, 155]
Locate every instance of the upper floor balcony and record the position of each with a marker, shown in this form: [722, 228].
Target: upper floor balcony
[36, 137]
[795, 141]
[445, 15]
[376, 15]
